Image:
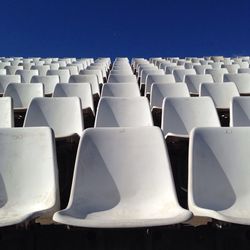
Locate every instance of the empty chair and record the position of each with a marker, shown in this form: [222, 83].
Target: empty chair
[161, 90]
[42, 69]
[120, 90]
[194, 81]
[22, 94]
[242, 82]
[170, 69]
[217, 74]
[122, 79]
[180, 74]
[84, 92]
[104, 186]
[123, 112]
[6, 112]
[146, 72]
[219, 174]
[121, 72]
[28, 169]
[201, 69]
[152, 78]
[49, 83]
[222, 94]
[179, 116]
[11, 70]
[26, 75]
[96, 72]
[63, 74]
[6, 79]
[73, 69]
[240, 112]
[231, 68]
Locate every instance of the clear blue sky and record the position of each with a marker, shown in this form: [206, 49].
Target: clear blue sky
[80, 28]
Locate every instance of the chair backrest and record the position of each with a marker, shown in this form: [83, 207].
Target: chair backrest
[123, 112]
[92, 79]
[96, 72]
[242, 81]
[217, 74]
[11, 70]
[181, 114]
[147, 72]
[105, 185]
[6, 113]
[180, 74]
[42, 69]
[240, 112]
[161, 90]
[201, 69]
[29, 174]
[49, 82]
[231, 68]
[120, 90]
[122, 79]
[152, 78]
[194, 81]
[219, 173]
[62, 114]
[63, 74]
[221, 93]
[6, 79]
[22, 94]
[81, 90]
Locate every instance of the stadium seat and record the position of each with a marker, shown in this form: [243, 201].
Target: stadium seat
[42, 69]
[123, 112]
[217, 74]
[180, 74]
[26, 75]
[96, 72]
[132, 187]
[242, 82]
[122, 79]
[218, 183]
[6, 79]
[63, 74]
[201, 69]
[29, 180]
[11, 70]
[120, 90]
[6, 114]
[222, 94]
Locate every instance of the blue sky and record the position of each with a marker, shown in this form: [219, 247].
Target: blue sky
[79, 28]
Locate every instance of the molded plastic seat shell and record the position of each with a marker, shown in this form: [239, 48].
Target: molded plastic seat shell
[120, 90]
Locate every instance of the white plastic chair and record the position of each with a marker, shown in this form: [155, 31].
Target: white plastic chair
[231, 68]
[6, 112]
[123, 112]
[240, 112]
[62, 114]
[181, 114]
[22, 94]
[219, 174]
[28, 170]
[127, 184]
[98, 73]
[63, 74]
[122, 79]
[11, 70]
[6, 79]
[49, 83]
[194, 81]
[217, 74]
[180, 74]
[242, 82]
[120, 90]
[201, 69]
[26, 75]
[42, 69]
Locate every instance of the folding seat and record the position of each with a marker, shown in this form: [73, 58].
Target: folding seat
[120, 90]
[104, 186]
[22, 94]
[29, 180]
[153, 78]
[6, 114]
[194, 81]
[98, 73]
[84, 92]
[122, 79]
[242, 82]
[64, 116]
[179, 116]
[26, 75]
[6, 79]
[42, 69]
[11, 70]
[217, 74]
[180, 74]
[170, 69]
[222, 94]
[201, 69]
[49, 83]
[63, 74]
[73, 69]
[219, 174]
[244, 70]
[240, 112]
[231, 68]
[123, 112]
